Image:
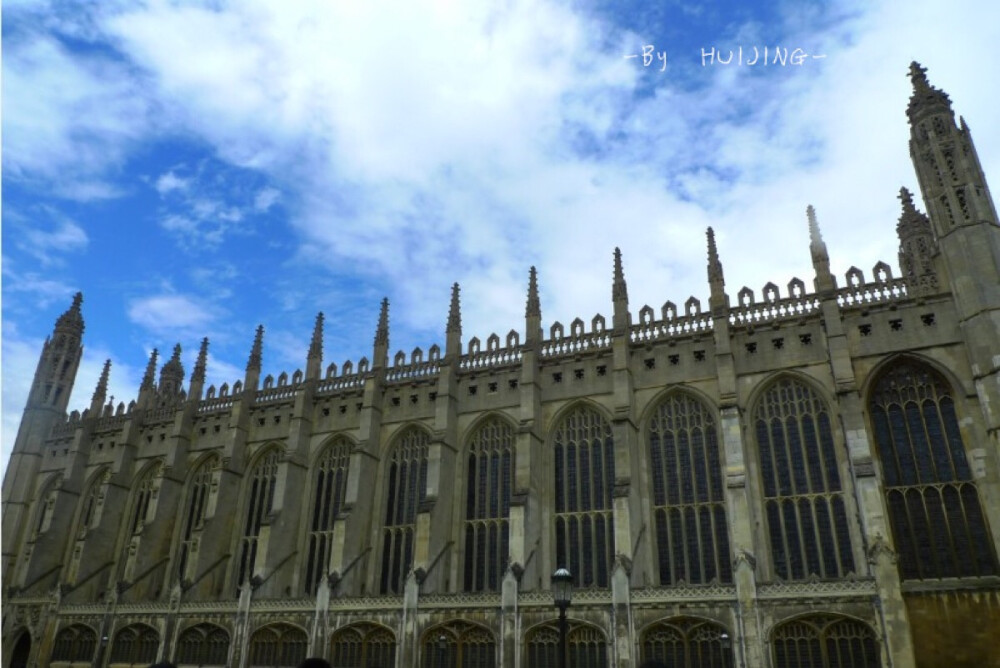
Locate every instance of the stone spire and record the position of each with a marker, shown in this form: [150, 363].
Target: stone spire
[533, 310]
[252, 376]
[917, 247]
[198, 374]
[60, 358]
[716, 280]
[381, 357]
[71, 322]
[824, 280]
[101, 391]
[149, 378]
[314, 361]
[619, 294]
[172, 374]
[453, 332]
[925, 99]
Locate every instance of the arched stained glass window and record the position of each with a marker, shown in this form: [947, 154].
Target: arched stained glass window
[260, 499]
[487, 505]
[688, 643]
[803, 499]
[75, 643]
[586, 646]
[194, 513]
[585, 479]
[459, 645]
[934, 507]
[406, 488]
[277, 645]
[135, 644]
[363, 645]
[203, 645]
[825, 641]
[692, 537]
[328, 499]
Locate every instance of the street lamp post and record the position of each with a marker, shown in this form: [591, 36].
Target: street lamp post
[562, 593]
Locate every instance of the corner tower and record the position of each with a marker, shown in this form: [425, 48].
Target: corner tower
[964, 223]
[47, 402]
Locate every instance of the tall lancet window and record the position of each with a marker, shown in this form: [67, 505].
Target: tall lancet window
[934, 507]
[194, 513]
[692, 537]
[142, 495]
[803, 498]
[328, 499]
[487, 505]
[260, 499]
[585, 478]
[406, 487]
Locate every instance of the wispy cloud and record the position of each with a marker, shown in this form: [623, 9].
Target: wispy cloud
[171, 315]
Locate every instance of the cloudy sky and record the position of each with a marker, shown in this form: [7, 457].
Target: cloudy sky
[199, 168]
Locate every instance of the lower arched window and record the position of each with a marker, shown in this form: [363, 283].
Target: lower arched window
[586, 646]
[75, 643]
[688, 643]
[459, 645]
[203, 645]
[135, 644]
[363, 645]
[278, 645]
[22, 651]
[825, 641]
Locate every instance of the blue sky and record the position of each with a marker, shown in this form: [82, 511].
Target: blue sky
[199, 168]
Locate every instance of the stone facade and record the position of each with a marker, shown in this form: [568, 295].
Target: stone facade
[806, 477]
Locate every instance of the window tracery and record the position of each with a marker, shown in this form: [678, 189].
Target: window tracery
[203, 645]
[825, 641]
[194, 515]
[586, 646]
[803, 499]
[363, 645]
[487, 507]
[687, 643]
[277, 645]
[135, 644]
[328, 499]
[934, 506]
[459, 645]
[688, 495]
[584, 485]
[75, 643]
[260, 499]
[406, 488]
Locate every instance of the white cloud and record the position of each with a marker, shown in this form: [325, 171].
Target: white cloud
[265, 199]
[169, 182]
[167, 315]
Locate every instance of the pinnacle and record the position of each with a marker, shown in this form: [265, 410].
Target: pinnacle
[256, 350]
[534, 306]
[455, 311]
[316, 345]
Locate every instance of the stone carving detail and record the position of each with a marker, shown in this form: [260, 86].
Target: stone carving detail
[744, 557]
[878, 549]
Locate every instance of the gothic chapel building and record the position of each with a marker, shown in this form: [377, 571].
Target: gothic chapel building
[803, 477]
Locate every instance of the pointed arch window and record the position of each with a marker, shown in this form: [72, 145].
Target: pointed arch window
[194, 513]
[277, 645]
[584, 485]
[203, 645]
[692, 537]
[487, 505]
[406, 488]
[363, 645]
[586, 646]
[803, 499]
[46, 506]
[459, 645]
[136, 644]
[142, 495]
[260, 499]
[75, 643]
[328, 499]
[935, 512]
[688, 643]
[825, 641]
[91, 509]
